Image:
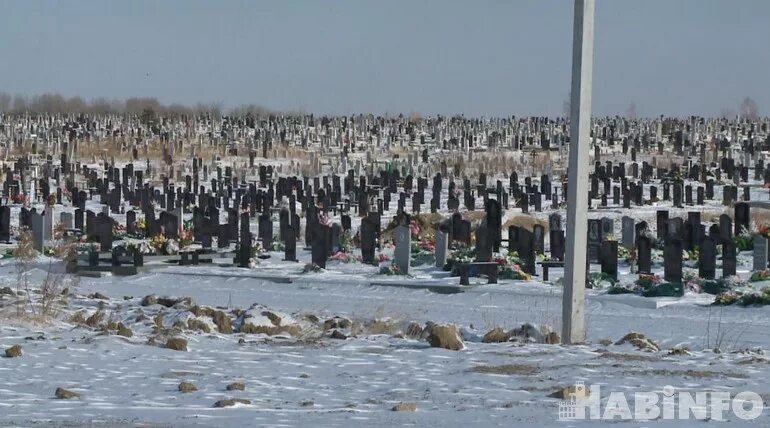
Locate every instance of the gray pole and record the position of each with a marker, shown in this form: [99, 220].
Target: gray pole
[573, 303]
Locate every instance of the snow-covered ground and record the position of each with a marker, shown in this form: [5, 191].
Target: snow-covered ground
[319, 381]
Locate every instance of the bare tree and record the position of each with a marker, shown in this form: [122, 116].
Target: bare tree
[748, 109]
[138, 105]
[5, 102]
[24, 257]
[76, 105]
[105, 106]
[178, 110]
[19, 104]
[145, 107]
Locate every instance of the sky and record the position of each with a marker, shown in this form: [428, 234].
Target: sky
[478, 58]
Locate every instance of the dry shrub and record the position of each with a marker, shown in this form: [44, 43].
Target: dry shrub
[52, 291]
[760, 215]
[24, 257]
[382, 326]
[56, 283]
[508, 369]
[78, 318]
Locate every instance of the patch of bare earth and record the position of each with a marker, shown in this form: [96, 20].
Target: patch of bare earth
[690, 373]
[621, 356]
[508, 369]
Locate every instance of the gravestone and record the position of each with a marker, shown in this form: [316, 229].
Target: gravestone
[742, 217]
[608, 228]
[130, 222]
[628, 232]
[557, 244]
[79, 219]
[725, 228]
[675, 228]
[290, 243]
[170, 224]
[5, 223]
[594, 239]
[644, 253]
[461, 229]
[483, 244]
[442, 246]
[760, 253]
[65, 219]
[403, 251]
[729, 259]
[526, 247]
[678, 194]
[513, 238]
[494, 222]
[48, 224]
[336, 230]
[245, 242]
[608, 256]
[538, 236]
[368, 237]
[554, 221]
[223, 236]
[672, 260]
[661, 224]
[707, 258]
[102, 230]
[320, 245]
[37, 231]
[265, 229]
[346, 222]
[284, 218]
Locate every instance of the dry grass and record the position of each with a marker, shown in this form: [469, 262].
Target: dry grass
[474, 216]
[382, 326]
[628, 357]
[754, 359]
[525, 221]
[690, 373]
[508, 369]
[760, 215]
[176, 374]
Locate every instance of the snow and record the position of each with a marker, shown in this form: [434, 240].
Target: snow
[124, 381]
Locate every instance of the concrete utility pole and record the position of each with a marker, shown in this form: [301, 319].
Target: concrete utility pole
[573, 303]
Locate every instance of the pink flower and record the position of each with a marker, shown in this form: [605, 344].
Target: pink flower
[414, 228]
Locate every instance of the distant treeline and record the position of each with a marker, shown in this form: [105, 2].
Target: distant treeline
[58, 104]
[150, 106]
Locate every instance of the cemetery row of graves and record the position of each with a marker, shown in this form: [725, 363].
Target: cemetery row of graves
[408, 197]
[139, 226]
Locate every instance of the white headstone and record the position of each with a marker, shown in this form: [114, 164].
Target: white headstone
[48, 224]
[441, 248]
[403, 251]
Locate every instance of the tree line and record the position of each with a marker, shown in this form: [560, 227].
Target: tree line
[58, 104]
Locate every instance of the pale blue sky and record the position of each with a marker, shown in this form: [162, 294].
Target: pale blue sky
[475, 57]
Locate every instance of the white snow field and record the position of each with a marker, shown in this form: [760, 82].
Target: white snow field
[319, 381]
